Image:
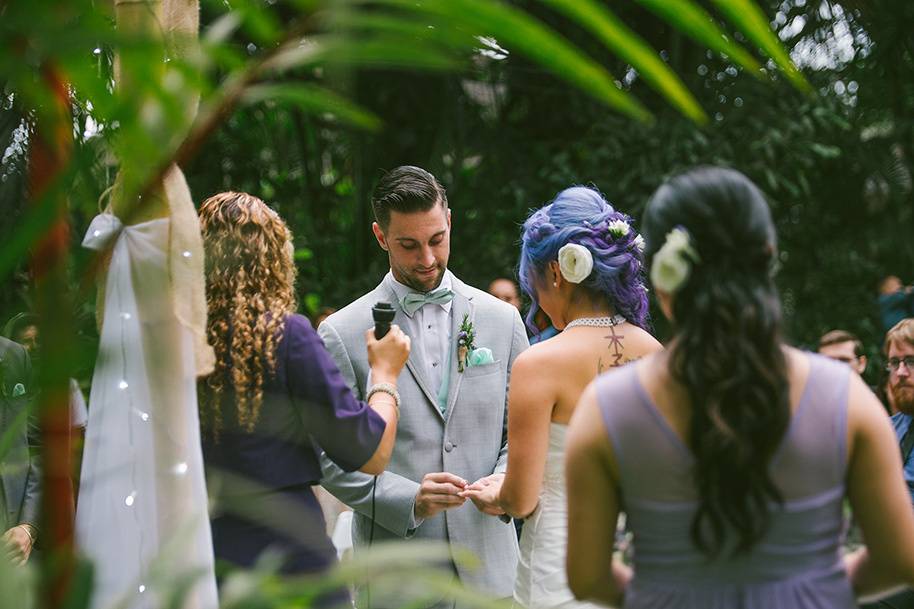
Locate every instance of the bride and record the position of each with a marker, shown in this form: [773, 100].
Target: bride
[581, 263]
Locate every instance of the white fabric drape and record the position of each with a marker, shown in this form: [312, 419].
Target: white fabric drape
[142, 516]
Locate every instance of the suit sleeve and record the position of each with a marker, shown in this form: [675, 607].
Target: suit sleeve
[395, 495]
[519, 342]
[31, 502]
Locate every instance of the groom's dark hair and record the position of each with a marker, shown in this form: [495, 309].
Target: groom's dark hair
[406, 189]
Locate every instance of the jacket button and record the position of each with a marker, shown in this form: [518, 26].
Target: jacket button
[448, 446]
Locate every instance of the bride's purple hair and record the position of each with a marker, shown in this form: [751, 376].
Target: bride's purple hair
[581, 215]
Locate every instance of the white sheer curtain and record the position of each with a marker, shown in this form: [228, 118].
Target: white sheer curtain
[142, 516]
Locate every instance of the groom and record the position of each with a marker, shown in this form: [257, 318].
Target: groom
[453, 417]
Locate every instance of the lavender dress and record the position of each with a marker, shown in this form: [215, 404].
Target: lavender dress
[797, 565]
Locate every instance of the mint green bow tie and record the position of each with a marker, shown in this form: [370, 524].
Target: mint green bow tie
[414, 301]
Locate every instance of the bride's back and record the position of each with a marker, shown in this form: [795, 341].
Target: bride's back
[574, 358]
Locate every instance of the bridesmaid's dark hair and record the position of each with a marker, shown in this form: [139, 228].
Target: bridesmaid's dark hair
[727, 349]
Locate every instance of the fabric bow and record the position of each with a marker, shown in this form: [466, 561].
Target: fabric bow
[102, 228]
[414, 301]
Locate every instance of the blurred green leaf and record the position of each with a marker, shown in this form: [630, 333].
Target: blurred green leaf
[313, 99]
[751, 21]
[518, 31]
[625, 43]
[695, 22]
[303, 254]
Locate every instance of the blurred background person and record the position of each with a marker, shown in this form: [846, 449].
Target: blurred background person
[20, 472]
[842, 346]
[731, 452]
[23, 329]
[323, 314]
[895, 301]
[899, 352]
[506, 290]
[276, 395]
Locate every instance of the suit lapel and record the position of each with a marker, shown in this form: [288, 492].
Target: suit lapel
[413, 364]
[461, 306]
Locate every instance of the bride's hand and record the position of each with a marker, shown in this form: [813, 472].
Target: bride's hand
[484, 494]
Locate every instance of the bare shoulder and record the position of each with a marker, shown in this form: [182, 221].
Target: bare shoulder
[641, 342]
[865, 413]
[536, 357]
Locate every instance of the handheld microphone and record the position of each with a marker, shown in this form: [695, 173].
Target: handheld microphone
[383, 313]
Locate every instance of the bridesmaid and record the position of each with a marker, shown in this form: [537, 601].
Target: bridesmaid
[731, 452]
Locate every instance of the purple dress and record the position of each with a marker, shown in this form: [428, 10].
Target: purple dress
[797, 565]
[263, 478]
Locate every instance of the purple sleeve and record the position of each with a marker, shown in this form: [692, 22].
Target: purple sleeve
[348, 430]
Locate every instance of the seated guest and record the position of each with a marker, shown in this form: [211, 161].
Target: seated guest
[731, 452]
[276, 398]
[843, 346]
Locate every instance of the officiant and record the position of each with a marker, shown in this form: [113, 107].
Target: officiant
[276, 395]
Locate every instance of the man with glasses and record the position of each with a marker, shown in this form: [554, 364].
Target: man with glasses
[899, 350]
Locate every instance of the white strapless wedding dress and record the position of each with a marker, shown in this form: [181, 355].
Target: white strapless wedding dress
[541, 581]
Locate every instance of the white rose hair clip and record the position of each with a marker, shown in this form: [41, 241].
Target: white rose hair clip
[575, 262]
[673, 262]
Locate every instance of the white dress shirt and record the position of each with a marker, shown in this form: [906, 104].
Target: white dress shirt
[430, 328]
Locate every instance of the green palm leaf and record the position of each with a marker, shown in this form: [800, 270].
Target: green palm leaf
[537, 42]
[746, 15]
[628, 45]
[695, 22]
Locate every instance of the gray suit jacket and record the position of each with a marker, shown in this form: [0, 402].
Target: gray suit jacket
[469, 440]
[20, 474]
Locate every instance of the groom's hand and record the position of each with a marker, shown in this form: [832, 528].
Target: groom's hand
[438, 492]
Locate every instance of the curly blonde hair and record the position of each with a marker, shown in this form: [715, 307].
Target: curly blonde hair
[250, 279]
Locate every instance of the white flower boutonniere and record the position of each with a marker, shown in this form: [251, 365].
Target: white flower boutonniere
[673, 261]
[575, 262]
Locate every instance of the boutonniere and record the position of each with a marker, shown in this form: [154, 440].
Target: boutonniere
[465, 338]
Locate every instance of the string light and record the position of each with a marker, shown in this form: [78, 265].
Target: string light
[123, 384]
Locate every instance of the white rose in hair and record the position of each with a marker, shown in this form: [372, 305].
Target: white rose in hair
[575, 262]
[673, 261]
[618, 228]
[639, 243]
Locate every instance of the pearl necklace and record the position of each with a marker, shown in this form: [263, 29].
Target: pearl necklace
[596, 322]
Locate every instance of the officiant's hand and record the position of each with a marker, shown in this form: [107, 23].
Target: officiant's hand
[19, 544]
[484, 494]
[386, 357]
[438, 492]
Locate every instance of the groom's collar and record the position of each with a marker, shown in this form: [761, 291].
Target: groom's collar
[401, 290]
